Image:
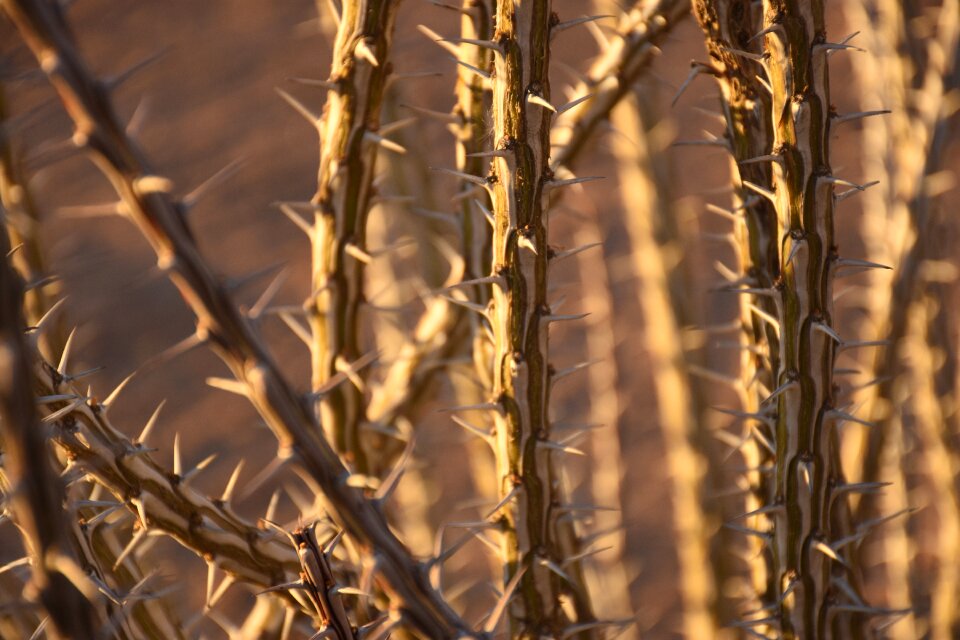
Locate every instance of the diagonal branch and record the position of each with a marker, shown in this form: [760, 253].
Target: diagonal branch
[219, 323]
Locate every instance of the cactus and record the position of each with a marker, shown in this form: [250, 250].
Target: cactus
[417, 304]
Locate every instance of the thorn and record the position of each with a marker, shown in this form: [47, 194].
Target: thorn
[563, 318]
[309, 115]
[560, 255]
[389, 145]
[856, 344]
[267, 296]
[860, 264]
[483, 406]
[442, 116]
[766, 193]
[463, 176]
[770, 29]
[113, 82]
[65, 355]
[767, 158]
[177, 464]
[572, 181]
[486, 213]
[362, 50]
[138, 536]
[828, 551]
[392, 481]
[227, 496]
[499, 153]
[59, 413]
[533, 98]
[310, 82]
[846, 417]
[826, 329]
[494, 618]
[504, 501]
[696, 68]
[296, 218]
[756, 57]
[766, 537]
[472, 306]
[357, 253]
[439, 40]
[298, 329]
[779, 391]
[840, 197]
[475, 430]
[573, 104]
[556, 446]
[93, 210]
[483, 44]
[151, 423]
[233, 284]
[473, 282]
[106, 404]
[480, 72]
[860, 114]
[228, 384]
[344, 373]
[563, 26]
[272, 506]
[224, 174]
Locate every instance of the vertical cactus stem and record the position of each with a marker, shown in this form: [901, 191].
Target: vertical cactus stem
[730, 25]
[520, 316]
[22, 220]
[471, 92]
[36, 493]
[344, 189]
[807, 449]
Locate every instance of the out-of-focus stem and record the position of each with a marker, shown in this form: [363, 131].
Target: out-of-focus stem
[36, 495]
[627, 57]
[655, 247]
[348, 144]
[942, 465]
[918, 69]
[23, 226]
[611, 572]
[729, 25]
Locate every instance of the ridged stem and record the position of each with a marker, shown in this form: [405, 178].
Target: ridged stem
[530, 505]
[348, 145]
[809, 518]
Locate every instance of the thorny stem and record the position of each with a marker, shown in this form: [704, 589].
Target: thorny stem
[520, 316]
[347, 161]
[655, 243]
[159, 217]
[36, 496]
[810, 518]
[729, 25]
